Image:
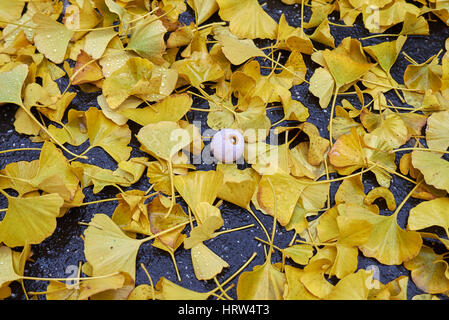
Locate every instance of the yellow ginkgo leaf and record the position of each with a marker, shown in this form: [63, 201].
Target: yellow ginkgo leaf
[159, 221]
[434, 168]
[54, 174]
[386, 53]
[381, 192]
[204, 211]
[10, 10]
[198, 186]
[313, 278]
[238, 185]
[141, 78]
[30, 220]
[86, 70]
[415, 24]
[429, 213]
[163, 139]
[131, 213]
[51, 38]
[264, 282]
[142, 292]
[287, 190]
[172, 108]
[294, 289]
[238, 51]
[108, 249]
[437, 132]
[300, 253]
[247, 19]
[322, 86]
[61, 291]
[12, 83]
[167, 290]
[22, 170]
[74, 131]
[429, 271]
[204, 9]
[424, 76]
[203, 231]
[387, 242]
[206, 263]
[116, 114]
[347, 63]
[147, 39]
[7, 273]
[105, 134]
[347, 152]
[97, 41]
[322, 34]
[351, 287]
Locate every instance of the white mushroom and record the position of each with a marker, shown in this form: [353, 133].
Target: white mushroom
[227, 145]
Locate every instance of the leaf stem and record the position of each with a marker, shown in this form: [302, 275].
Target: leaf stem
[232, 230]
[20, 149]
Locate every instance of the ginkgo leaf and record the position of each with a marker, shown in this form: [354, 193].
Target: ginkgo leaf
[22, 170]
[142, 292]
[61, 291]
[97, 41]
[238, 186]
[172, 108]
[160, 222]
[386, 53]
[433, 167]
[7, 273]
[264, 282]
[347, 151]
[322, 86]
[105, 134]
[322, 34]
[86, 70]
[108, 249]
[429, 213]
[204, 9]
[313, 278]
[414, 24]
[429, 271]
[167, 290]
[287, 190]
[51, 37]
[163, 139]
[424, 76]
[247, 19]
[300, 253]
[347, 62]
[388, 243]
[74, 131]
[141, 78]
[294, 289]
[203, 231]
[30, 220]
[206, 263]
[391, 128]
[12, 83]
[54, 174]
[147, 39]
[238, 51]
[198, 186]
[204, 211]
[351, 287]
[11, 10]
[437, 132]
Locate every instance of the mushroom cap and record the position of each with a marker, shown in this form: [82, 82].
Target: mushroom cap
[227, 145]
